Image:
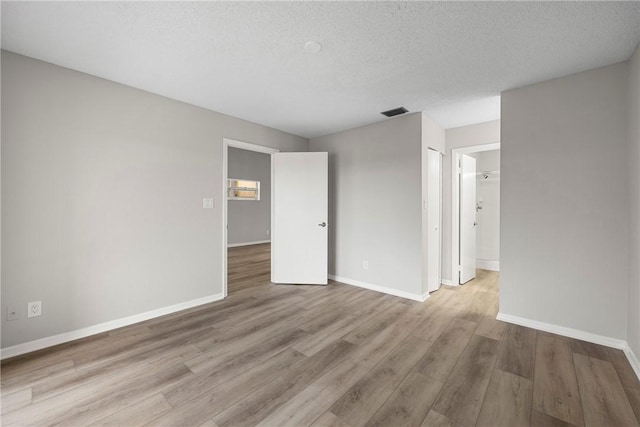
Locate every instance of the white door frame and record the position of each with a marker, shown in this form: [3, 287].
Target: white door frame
[456, 154]
[226, 143]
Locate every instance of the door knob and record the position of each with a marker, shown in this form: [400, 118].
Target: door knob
[323, 224]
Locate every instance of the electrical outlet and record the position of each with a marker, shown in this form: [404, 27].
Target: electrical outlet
[34, 308]
[365, 265]
[12, 313]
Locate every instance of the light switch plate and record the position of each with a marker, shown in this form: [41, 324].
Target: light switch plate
[207, 203]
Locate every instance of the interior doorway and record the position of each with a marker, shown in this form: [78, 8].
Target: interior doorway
[247, 209]
[475, 211]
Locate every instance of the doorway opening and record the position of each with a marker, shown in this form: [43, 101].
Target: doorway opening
[246, 214]
[475, 211]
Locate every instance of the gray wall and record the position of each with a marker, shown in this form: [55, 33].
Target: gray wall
[465, 136]
[250, 221]
[633, 322]
[102, 189]
[564, 195]
[374, 202]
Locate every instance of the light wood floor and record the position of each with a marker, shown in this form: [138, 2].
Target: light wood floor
[324, 356]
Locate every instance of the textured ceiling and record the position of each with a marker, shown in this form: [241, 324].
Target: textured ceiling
[247, 60]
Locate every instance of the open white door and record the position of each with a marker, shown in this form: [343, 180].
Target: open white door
[433, 219]
[299, 220]
[467, 219]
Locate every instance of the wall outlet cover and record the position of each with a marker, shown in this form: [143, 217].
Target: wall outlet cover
[207, 203]
[34, 308]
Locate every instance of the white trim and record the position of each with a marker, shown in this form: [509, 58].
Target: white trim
[633, 359]
[448, 282]
[564, 331]
[226, 143]
[41, 343]
[250, 147]
[235, 245]
[383, 289]
[455, 199]
[486, 264]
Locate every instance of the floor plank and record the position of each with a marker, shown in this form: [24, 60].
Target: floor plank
[507, 402]
[603, 398]
[518, 351]
[197, 401]
[540, 419]
[435, 419]
[590, 349]
[623, 368]
[262, 402]
[633, 394]
[138, 413]
[16, 400]
[362, 400]
[441, 357]
[409, 403]
[462, 395]
[255, 374]
[312, 402]
[491, 328]
[371, 352]
[555, 386]
[329, 419]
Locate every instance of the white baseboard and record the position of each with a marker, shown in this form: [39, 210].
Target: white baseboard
[633, 359]
[235, 245]
[448, 282]
[41, 343]
[487, 264]
[383, 289]
[577, 334]
[564, 331]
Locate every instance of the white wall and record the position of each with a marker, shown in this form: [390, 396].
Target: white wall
[375, 203]
[102, 189]
[633, 321]
[465, 136]
[488, 218]
[564, 202]
[249, 220]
